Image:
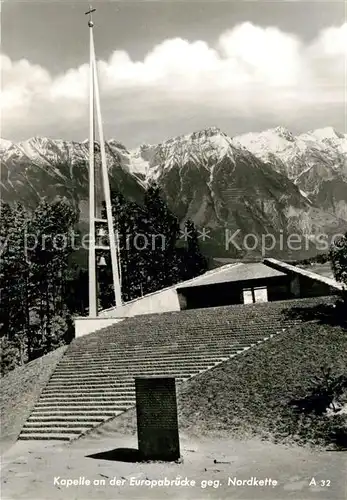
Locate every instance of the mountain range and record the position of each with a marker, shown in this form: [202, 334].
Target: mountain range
[252, 184]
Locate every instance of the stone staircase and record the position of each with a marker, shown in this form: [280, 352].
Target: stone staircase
[94, 381]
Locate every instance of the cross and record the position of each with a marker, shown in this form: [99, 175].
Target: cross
[90, 11]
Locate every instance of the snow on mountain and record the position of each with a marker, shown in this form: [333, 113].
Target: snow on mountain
[45, 167]
[288, 154]
[138, 164]
[326, 133]
[315, 161]
[260, 182]
[295, 153]
[4, 145]
[245, 183]
[206, 146]
[318, 150]
[276, 140]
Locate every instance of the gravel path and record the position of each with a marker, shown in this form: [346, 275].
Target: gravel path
[37, 470]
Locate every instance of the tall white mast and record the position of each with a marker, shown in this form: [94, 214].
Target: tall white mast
[95, 97]
[92, 254]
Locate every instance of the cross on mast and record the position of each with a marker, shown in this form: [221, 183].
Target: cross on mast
[94, 103]
[90, 12]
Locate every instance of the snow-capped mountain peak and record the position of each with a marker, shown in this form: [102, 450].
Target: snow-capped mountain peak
[275, 140]
[284, 133]
[326, 133]
[201, 147]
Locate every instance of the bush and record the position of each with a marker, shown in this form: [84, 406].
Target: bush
[316, 418]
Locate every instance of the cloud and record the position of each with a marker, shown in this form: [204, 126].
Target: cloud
[251, 70]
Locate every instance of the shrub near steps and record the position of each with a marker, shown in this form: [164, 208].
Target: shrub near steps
[94, 381]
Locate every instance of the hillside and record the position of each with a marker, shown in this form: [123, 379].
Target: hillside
[260, 387]
[20, 390]
[252, 394]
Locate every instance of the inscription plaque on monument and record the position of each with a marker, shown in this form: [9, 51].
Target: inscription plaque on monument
[157, 423]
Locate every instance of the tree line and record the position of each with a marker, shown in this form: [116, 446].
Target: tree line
[34, 272]
[43, 285]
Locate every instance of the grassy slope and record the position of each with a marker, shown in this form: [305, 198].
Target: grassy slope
[249, 395]
[20, 390]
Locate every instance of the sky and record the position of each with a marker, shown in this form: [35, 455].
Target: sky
[172, 67]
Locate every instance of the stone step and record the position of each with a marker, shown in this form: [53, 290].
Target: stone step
[32, 425]
[125, 383]
[109, 381]
[151, 357]
[85, 385]
[144, 365]
[134, 372]
[185, 334]
[120, 383]
[91, 393]
[138, 367]
[138, 348]
[61, 412]
[116, 372]
[172, 348]
[74, 418]
[155, 335]
[86, 365]
[88, 397]
[140, 341]
[189, 328]
[46, 437]
[88, 403]
[192, 317]
[139, 345]
[127, 375]
[54, 430]
[214, 350]
[147, 358]
[183, 319]
[111, 377]
[86, 409]
[92, 397]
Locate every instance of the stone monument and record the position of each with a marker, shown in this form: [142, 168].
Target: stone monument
[157, 422]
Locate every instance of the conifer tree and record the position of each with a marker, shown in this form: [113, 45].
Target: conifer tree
[195, 262]
[338, 257]
[14, 278]
[51, 228]
[164, 232]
